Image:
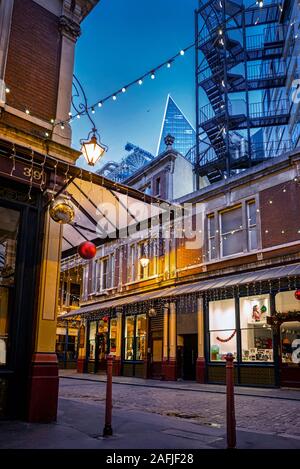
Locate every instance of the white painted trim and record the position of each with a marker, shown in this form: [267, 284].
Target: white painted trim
[191, 267]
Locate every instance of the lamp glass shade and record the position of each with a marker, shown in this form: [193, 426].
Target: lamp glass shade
[92, 150]
[144, 261]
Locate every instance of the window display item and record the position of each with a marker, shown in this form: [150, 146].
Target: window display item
[255, 313]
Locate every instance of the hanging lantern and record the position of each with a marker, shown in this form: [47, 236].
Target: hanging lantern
[87, 250]
[62, 211]
[92, 150]
[297, 294]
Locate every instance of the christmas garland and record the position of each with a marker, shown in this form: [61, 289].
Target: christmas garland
[228, 339]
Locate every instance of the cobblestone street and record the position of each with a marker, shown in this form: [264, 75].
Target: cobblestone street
[274, 415]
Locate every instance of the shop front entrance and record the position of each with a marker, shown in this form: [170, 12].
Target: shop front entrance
[187, 356]
[156, 358]
[289, 360]
[19, 249]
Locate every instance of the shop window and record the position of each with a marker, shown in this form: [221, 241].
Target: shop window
[290, 342]
[66, 347]
[141, 329]
[222, 329]
[286, 301]
[9, 224]
[113, 336]
[92, 340]
[256, 335]
[135, 337]
[129, 338]
[231, 223]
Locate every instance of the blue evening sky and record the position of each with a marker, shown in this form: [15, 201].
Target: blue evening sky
[121, 40]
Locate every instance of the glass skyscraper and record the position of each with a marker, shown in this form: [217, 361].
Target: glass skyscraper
[176, 124]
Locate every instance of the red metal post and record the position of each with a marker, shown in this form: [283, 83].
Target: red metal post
[107, 431]
[230, 411]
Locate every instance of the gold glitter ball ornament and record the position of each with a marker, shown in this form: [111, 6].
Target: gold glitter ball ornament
[62, 211]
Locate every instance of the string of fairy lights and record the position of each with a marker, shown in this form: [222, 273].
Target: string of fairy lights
[150, 74]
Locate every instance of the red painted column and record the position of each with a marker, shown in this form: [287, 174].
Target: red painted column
[43, 388]
[107, 431]
[230, 410]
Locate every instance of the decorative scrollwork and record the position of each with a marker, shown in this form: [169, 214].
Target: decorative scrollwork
[79, 101]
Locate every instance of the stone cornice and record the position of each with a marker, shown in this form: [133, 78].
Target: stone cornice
[56, 150]
[69, 28]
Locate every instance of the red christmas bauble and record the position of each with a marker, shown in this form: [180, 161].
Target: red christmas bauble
[87, 250]
[297, 294]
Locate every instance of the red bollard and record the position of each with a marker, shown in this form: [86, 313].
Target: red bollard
[107, 431]
[230, 411]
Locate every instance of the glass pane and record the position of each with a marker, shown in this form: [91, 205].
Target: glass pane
[221, 343]
[157, 350]
[92, 336]
[129, 341]
[257, 344]
[92, 349]
[254, 309]
[141, 331]
[286, 301]
[211, 226]
[231, 220]
[221, 315]
[232, 243]
[9, 225]
[251, 214]
[212, 248]
[290, 342]
[129, 338]
[113, 336]
[252, 238]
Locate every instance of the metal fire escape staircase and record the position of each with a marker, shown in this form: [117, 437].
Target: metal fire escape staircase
[260, 58]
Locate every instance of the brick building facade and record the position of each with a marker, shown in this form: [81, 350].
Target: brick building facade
[228, 285]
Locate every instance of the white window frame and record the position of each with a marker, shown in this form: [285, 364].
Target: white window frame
[228, 233]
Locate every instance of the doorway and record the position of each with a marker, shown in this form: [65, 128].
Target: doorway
[189, 356]
[156, 358]
[290, 354]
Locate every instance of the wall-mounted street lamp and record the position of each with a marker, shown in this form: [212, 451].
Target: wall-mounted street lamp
[91, 148]
[144, 261]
